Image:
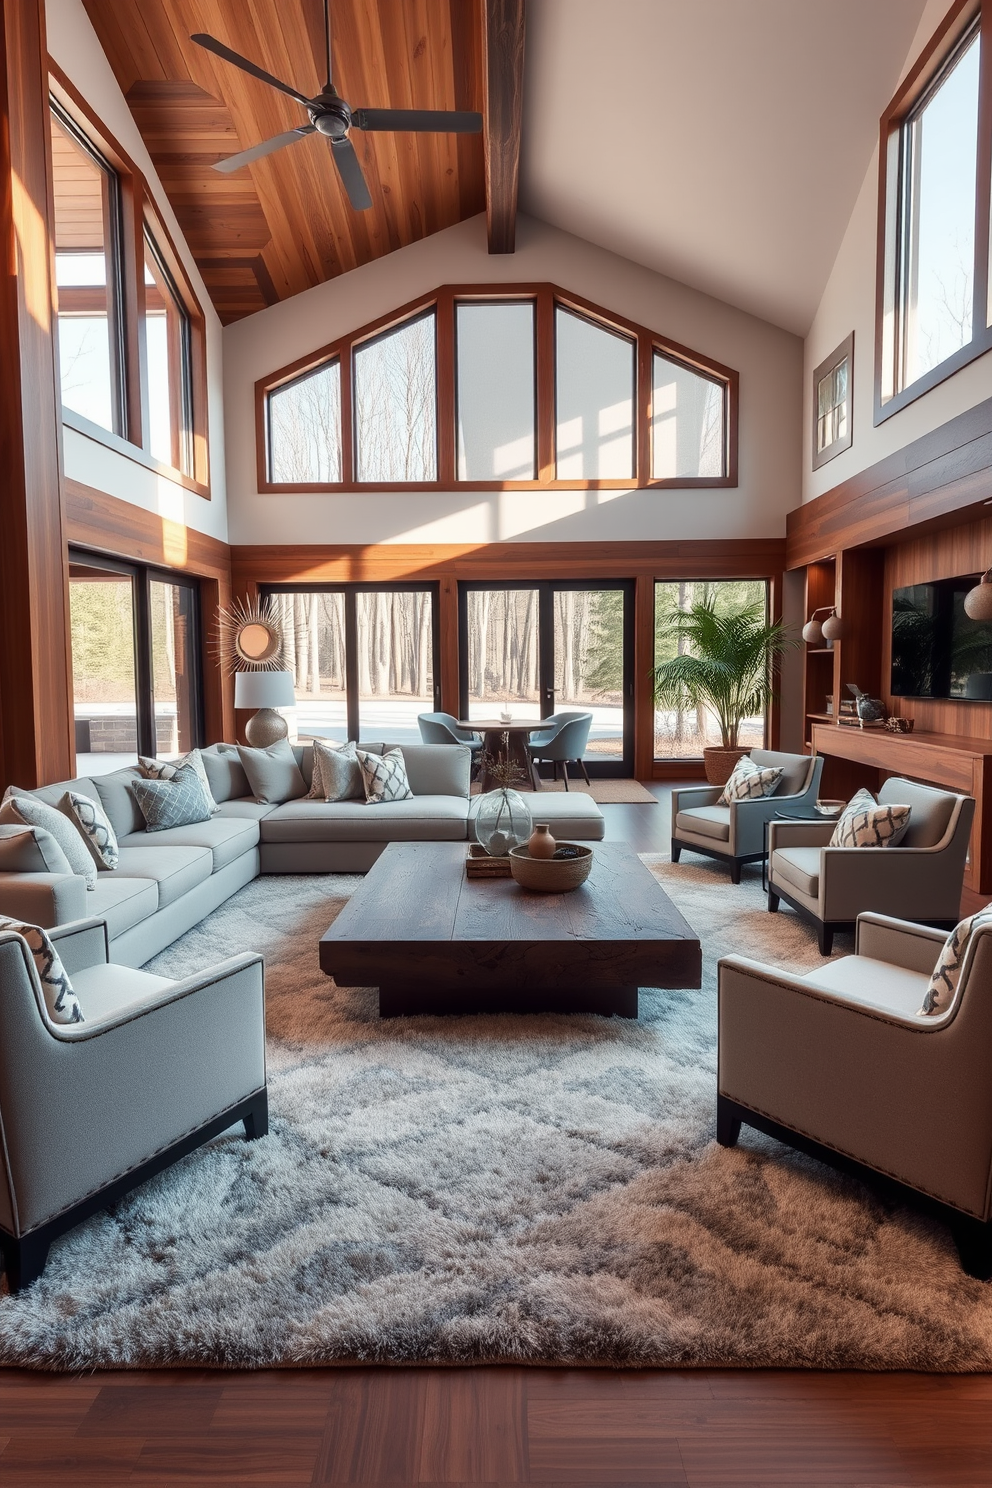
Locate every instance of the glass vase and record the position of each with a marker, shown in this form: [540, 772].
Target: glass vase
[503, 821]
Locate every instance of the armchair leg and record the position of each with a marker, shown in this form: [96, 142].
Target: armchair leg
[728, 1124]
[564, 771]
[735, 871]
[256, 1121]
[974, 1243]
[24, 1259]
[826, 938]
[585, 772]
[676, 850]
[773, 902]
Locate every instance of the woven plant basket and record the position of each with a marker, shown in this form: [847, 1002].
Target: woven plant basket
[719, 763]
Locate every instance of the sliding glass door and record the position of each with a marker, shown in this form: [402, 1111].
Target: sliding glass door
[135, 662]
[552, 646]
[364, 659]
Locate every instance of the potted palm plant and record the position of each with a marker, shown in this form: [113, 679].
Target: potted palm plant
[725, 664]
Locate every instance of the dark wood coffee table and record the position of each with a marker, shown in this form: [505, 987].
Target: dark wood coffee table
[434, 941]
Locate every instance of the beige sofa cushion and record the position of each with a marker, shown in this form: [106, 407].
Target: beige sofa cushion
[418, 819]
[176, 870]
[799, 867]
[706, 821]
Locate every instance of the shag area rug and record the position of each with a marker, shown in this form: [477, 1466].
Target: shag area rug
[526, 1189]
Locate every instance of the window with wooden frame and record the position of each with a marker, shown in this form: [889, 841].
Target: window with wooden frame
[932, 301]
[132, 338]
[833, 395]
[496, 387]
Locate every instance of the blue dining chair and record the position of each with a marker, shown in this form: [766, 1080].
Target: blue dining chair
[565, 740]
[442, 728]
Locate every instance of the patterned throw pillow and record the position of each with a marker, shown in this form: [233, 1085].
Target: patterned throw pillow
[384, 776]
[178, 802]
[863, 823]
[749, 782]
[947, 973]
[337, 771]
[94, 825]
[60, 999]
[156, 769]
[25, 810]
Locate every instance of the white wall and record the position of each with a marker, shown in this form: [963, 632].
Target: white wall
[768, 359]
[73, 44]
[848, 303]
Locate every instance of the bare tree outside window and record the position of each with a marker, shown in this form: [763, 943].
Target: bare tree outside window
[396, 404]
[305, 427]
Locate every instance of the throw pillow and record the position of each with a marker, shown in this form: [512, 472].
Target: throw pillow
[30, 850]
[273, 774]
[60, 999]
[94, 826]
[337, 769]
[26, 810]
[863, 823]
[946, 974]
[749, 782]
[156, 769]
[384, 776]
[178, 802]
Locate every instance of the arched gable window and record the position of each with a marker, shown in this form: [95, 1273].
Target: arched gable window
[516, 386]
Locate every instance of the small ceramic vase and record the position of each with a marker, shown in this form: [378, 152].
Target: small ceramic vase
[541, 843]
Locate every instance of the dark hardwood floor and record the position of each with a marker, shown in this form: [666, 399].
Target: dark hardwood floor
[494, 1427]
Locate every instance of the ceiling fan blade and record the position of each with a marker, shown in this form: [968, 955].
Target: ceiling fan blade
[211, 44]
[350, 172]
[420, 121]
[235, 162]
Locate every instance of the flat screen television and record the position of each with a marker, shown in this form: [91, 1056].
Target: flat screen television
[937, 651]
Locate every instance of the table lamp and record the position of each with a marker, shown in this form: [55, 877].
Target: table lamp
[265, 691]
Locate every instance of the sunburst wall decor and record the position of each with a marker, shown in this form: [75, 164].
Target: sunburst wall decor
[249, 637]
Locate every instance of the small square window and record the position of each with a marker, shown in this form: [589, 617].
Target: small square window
[833, 388]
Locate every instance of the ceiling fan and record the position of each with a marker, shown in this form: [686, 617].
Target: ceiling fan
[332, 117]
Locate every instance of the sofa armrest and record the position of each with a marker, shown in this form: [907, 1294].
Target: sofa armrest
[227, 971]
[44, 899]
[81, 944]
[899, 942]
[695, 795]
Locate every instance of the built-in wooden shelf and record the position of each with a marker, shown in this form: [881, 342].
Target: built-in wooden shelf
[952, 760]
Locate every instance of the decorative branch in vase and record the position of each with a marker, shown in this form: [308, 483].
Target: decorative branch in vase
[503, 819]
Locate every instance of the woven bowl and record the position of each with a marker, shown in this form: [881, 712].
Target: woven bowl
[550, 875]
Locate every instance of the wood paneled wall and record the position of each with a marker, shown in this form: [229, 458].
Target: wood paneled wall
[446, 564]
[103, 524]
[962, 550]
[35, 707]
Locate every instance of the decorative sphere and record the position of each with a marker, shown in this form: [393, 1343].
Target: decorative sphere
[978, 601]
[813, 633]
[833, 627]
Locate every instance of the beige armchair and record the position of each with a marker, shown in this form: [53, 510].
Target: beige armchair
[735, 834]
[921, 879]
[841, 1064]
[90, 1110]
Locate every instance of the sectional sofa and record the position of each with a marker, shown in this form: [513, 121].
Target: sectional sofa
[167, 881]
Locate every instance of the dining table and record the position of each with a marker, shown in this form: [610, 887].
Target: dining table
[509, 741]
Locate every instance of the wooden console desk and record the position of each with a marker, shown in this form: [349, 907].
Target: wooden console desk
[951, 760]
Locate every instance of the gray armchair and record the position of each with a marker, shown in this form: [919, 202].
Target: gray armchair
[564, 740]
[921, 879]
[840, 1063]
[735, 834]
[90, 1110]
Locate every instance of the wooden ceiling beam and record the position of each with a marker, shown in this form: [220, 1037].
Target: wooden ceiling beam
[503, 76]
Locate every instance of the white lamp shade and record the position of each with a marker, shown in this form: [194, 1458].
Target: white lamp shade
[263, 690]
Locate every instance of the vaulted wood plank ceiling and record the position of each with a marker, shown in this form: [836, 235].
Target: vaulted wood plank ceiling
[284, 223]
